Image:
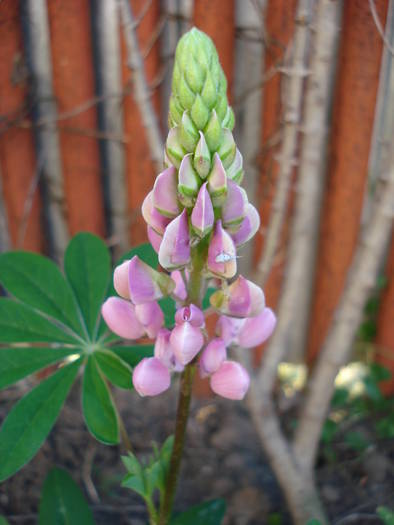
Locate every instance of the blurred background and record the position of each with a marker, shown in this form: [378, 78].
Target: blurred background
[74, 153]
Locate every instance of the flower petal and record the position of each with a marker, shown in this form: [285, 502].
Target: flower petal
[175, 247]
[249, 226]
[257, 329]
[121, 280]
[191, 314]
[234, 207]
[202, 217]
[152, 217]
[150, 315]
[146, 284]
[242, 298]
[212, 357]
[165, 193]
[180, 288]
[186, 341]
[222, 259]
[151, 377]
[230, 381]
[121, 318]
[228, 328]
[154, 238]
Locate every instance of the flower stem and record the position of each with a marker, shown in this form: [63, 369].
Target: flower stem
[185, 393]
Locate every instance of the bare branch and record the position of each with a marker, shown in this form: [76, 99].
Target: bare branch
[294, 305]
[292, 108]
[37, 49]
[141, 91]
[338, 344]
[379, 27]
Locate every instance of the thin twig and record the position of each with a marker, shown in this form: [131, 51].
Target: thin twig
[292, 109]
[141, 91]
[379, 27]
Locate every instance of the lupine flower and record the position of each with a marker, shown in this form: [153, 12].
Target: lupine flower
[146, 284]
[230, 381]
[197, 216]
[241, 299]
[202, 217]
[249, 332]
[151, 377]
[120, 316]
[175, 247]
[212, 357]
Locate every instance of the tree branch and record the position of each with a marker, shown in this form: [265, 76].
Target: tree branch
[141, 91]
[338, 344]
[292, 108]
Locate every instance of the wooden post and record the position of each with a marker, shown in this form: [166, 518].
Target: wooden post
[73, 77]
[17, 157]
[354, 109]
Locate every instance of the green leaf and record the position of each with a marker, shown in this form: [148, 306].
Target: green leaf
[207, 513]
[134, 480]
[62, 501]
[145, 252]
[3, 521]
[386, 515]
[205, 302]
[329, 430]
[114, 368]
[167, 304]
[32, 418]
[98, 407]
[356, 441]
[87, 267]
[16, 363]
[20, 324]
[379, 372]
[38, 282]
[341, 395]
[313, 522]
[133, 354]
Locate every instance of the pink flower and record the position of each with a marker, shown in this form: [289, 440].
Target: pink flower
[165, 193]
[151, 317]
[241, 299]
[151, 377]
[121, 318]
[202, 217]
[154, 238]
[248, 227]
[152, 217]
[222, 259]
[212, 357]
[164, 352]
[230, 381]
[249, 332]
[186, 341]
[175, 247]
[146, 284]
[191, 314]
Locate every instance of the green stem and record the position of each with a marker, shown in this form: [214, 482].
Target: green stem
[199, 255]
[185, 394]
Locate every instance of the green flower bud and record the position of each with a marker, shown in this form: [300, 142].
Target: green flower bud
[227, 148]
[188, 180]
[175, 114]
[235, 171]
[213, 132]
[229, 119]
[188, 133]
[195, 75]
[199, 113]
[217, 182]
[185, 94]
[209, 92]
[174, 150]
[202, 157]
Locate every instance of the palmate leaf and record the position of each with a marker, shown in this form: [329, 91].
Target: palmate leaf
[114, 368]
[17, 363]
[87, 268]
[62, 501]
[207, 513]
[19, 323]
[133, 354]
[38, 282]
[31, 419]
[98, 408]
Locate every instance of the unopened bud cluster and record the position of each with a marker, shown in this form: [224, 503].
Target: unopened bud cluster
[196, 208]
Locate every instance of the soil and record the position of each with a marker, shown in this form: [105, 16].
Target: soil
[223, 459]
